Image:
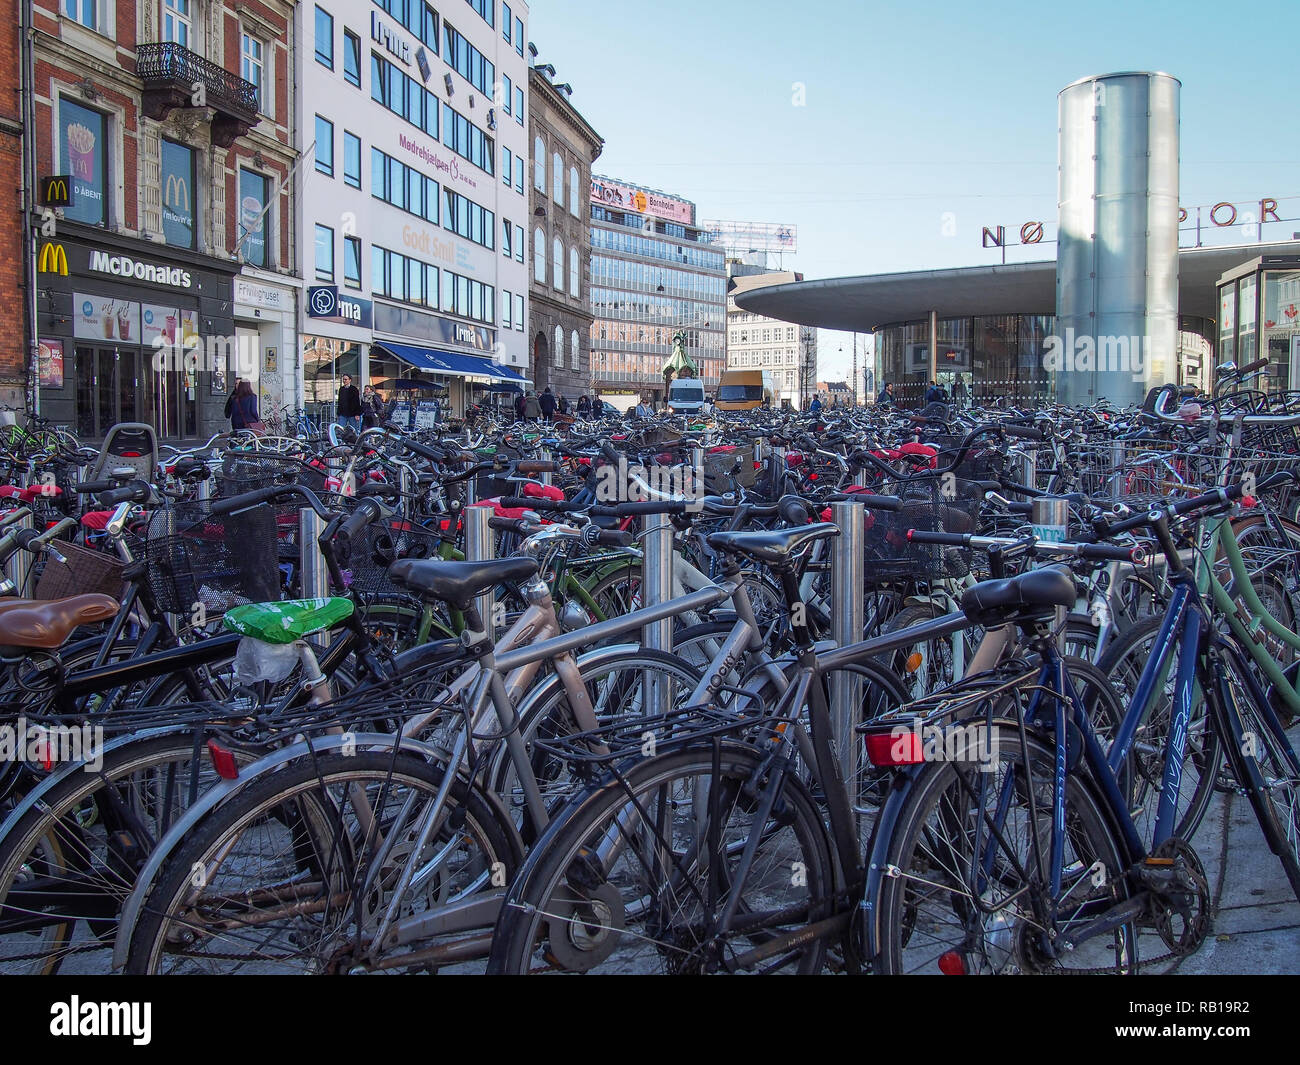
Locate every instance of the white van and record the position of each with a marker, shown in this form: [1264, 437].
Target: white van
[686, 395]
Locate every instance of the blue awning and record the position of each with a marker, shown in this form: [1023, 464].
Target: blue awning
[447, 362]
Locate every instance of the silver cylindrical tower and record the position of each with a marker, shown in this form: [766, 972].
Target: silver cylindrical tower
[1117, 256]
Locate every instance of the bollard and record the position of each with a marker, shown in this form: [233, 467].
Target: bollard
[697, 474]
[547, 478]
[480, 547]
[656, 588]
[777, 469]
[847, 580]
[19, 566]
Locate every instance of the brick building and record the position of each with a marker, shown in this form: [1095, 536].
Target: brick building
[563, 147]
[174, 120]
[13, 285]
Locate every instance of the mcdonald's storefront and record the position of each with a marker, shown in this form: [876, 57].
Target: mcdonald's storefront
[133, 331]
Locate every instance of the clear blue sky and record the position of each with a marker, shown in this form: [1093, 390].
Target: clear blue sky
[911, 111]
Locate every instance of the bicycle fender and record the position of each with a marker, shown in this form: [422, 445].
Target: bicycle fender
[882, 835]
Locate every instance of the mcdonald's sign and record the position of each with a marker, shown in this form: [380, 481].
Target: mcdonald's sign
[53, 259]
[176, 193]
[56, 190]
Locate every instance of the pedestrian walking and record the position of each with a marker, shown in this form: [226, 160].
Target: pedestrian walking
[349, 405]
[546, 402]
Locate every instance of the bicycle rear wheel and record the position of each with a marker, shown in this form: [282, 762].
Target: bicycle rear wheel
[634, 876]
[971, 889]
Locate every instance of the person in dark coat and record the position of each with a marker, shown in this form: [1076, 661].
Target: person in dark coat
[243, 409]
[349, 405]
[563, 407]
[519, 405]
[230, 399]
[584, 406]
[886, 397]
[547, 403]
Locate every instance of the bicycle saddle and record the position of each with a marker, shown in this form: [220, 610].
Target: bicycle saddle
[1025, 597]
[46, 624]
[772, 546]
[456, 582]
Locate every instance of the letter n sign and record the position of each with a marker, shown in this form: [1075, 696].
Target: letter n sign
[56, 190]
[995, 238]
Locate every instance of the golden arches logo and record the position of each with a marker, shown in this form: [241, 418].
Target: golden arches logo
[56, 192]
[53, 259]
[176, 194]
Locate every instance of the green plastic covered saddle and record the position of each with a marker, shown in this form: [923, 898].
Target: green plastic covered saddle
[287, 621]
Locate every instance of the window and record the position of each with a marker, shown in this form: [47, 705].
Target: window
[539, 164]
[467, 60]
[507, 232]
[324, 38]
[507, 300]
[506, 93]
[519, 41]
[251, 69]
[352, 159]
[539, 256]
[505, 22]
[573, 348]
[519, 312]
[573, 191]
[176, 22]
[352, 262]
[179, 194]
[324, 146]
[84, 11]
[506, 165]
[417, 17]
[557, 178]
[575, 276]
[82, 134]
[486, 9]
[404, 96]
[352, 58]
[519, 244]
[557, 264]
[519, 105]
[559, 347]
[519, 174]
[324, 253]
[403, 186]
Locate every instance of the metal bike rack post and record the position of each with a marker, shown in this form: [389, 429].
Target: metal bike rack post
[205, 490]
[778, 469]
[19, 566]
[480, 547]
[1029, 468]
[697, 473]
[547, 478]
[1050, 516]
[847, 579]
[315, 574]
[656, 588]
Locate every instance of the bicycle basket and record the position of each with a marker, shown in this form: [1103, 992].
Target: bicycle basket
[891, 556]
[366, 570]
[85, 571]
[193, 557]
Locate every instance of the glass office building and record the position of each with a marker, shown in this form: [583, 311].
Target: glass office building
[653, 275]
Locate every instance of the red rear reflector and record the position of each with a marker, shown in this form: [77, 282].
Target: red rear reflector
[222, 761]
[951, 963]
[885, 749]
[1248, 501]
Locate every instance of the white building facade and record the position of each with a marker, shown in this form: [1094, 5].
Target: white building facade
[787, 351]
[412, 197]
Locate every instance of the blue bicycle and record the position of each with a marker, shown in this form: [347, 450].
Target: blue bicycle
[1031, 859]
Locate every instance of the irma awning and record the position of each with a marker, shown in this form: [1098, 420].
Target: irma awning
[450, 363]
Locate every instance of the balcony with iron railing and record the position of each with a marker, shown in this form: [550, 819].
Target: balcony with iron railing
[174, 77]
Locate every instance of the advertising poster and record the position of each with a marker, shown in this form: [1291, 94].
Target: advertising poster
[159, 325]
[252, 199]
[50, 359]
[178, 194]
[84, 156]
[103, 318]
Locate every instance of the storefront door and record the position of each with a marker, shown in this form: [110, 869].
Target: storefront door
[110, 389]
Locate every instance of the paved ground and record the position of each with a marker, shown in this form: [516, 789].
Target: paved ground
[1257, 918]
